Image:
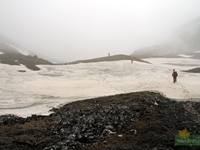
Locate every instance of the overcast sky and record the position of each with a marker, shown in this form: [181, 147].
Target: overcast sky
[68, 30]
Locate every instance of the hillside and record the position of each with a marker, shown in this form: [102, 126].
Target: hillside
[186, 42]
[13, 54]
[108, 58]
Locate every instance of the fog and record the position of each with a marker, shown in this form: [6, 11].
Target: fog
[69, 30]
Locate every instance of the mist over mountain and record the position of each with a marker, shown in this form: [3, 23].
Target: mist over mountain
[186, 41]
[13, 54]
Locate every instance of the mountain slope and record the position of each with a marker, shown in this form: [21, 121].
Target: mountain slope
[186, 41]
[13, 54]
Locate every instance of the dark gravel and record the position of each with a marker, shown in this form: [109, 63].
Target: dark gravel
[133, 121]
[194, 70]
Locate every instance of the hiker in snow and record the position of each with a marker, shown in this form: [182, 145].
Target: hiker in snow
[174, 75]
[132, 58]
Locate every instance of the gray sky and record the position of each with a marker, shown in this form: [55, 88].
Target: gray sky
[68, 30]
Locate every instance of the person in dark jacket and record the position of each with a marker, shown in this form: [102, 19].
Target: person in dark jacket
[174, 75]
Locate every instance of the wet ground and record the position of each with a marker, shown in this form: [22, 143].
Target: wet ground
[141, 120]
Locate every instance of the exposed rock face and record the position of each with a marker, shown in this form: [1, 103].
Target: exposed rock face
[142, 120]
[14, 58]
[194, 70]
[10, 54]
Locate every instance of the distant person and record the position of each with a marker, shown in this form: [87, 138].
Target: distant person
[132, 58]
[174, 75]
[108, 54]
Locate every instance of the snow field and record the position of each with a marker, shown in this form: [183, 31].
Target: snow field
[36, 92]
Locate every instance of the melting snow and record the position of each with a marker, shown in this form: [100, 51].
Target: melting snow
[185, 56]
[18, 49]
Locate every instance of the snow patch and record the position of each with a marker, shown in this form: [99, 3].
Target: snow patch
[196, 52]
[18, 49]
[1, 53]
[185, 56]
